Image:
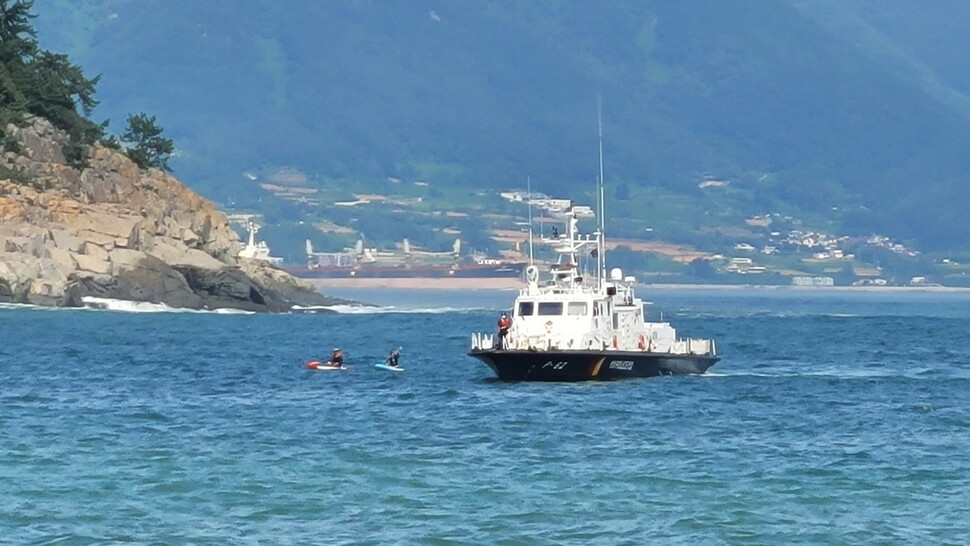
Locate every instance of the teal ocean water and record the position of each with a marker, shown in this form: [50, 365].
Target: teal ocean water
[833, 418]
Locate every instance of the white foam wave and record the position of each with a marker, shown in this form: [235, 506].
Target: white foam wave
[128, 306]
[20, 306]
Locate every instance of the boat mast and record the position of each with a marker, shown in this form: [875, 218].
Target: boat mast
[528, 185]
[601, 236]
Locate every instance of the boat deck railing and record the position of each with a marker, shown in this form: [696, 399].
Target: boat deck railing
[481, 341]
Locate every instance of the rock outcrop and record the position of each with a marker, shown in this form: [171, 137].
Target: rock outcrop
[112, 230]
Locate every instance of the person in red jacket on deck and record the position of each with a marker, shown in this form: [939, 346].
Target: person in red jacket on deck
[504, 323]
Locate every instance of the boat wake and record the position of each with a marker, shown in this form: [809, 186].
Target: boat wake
[756, 314]
[831, 373]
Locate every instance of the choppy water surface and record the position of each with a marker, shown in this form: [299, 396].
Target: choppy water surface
[832, 418]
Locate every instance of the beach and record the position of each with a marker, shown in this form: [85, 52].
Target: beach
[422, 283]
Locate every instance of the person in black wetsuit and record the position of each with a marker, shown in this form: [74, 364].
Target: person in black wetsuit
[336, 358]
[392, 358]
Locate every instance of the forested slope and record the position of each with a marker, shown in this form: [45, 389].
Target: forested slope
[854, 111]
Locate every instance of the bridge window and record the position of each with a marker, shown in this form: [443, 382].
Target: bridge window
[526, 308]
[550, 308]
[576, 309]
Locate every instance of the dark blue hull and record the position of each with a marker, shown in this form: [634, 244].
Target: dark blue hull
[589, 365]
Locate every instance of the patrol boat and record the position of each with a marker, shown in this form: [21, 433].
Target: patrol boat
[570, 328]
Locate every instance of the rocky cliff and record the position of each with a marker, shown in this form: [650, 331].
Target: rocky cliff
[112, 230]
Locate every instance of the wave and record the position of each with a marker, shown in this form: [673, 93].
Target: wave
[391, 309]
[929, 374]
[784, 314]
[129, 306]
[21, 306]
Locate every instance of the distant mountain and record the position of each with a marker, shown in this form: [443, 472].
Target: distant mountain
[855, 112]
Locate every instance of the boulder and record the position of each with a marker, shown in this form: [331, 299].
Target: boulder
[66, 240]
[90, 263]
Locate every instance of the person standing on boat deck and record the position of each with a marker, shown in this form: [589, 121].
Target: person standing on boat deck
[392, 358]
[336, 358]
[503, 329]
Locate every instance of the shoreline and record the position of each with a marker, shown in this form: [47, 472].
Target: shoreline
[419, 283]
[786, 287]
[513, 283]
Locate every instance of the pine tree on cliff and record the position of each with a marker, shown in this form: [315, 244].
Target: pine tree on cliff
[145, 144]
[17, 37]
[17, 47]
[44, 84]
[41, 83]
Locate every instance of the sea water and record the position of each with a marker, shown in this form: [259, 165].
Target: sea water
[833, 418]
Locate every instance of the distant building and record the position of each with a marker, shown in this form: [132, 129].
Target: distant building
[522, 196]
[804, 280]
[552, 205]
[870, 282]
[742, 265]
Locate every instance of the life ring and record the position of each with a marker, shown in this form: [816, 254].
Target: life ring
[532, 274]
[641, 342]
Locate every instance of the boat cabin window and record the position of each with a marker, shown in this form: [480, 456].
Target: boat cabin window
[550, 308]
[576, 309]
[526, 308]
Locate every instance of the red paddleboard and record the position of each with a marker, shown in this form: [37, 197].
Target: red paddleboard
[322, 366]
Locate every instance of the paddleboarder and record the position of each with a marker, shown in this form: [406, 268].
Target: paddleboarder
[392, 357]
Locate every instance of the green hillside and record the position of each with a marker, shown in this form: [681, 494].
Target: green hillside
[850, 115]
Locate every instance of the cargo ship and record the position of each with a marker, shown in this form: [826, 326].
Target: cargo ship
[366, 263]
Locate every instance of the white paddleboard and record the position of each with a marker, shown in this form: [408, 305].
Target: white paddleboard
[390, 368]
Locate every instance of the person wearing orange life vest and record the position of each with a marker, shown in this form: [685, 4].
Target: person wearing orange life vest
[504, 323]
